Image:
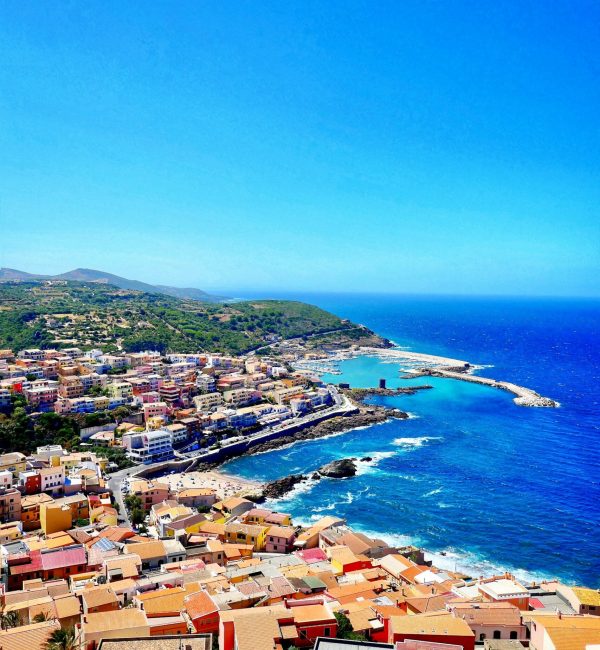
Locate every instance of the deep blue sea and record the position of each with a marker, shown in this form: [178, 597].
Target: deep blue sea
[483, 484]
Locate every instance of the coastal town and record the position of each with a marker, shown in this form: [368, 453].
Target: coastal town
[133, 538]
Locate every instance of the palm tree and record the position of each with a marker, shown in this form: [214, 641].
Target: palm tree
[9, 619]
[62, 640]
[42, 617]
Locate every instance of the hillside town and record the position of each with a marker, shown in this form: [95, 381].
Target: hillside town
[166, 406]
[156, 554]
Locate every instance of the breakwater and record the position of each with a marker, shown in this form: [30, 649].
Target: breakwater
[523, 396]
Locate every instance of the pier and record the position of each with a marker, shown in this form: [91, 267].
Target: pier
[523, 396]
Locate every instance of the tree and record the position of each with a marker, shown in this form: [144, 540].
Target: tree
[9, 619]
[42, 617]
[133, 502]
[137, 517]
[62, 640]
[345, 629]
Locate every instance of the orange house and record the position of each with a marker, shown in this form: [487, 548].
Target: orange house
[203, 612]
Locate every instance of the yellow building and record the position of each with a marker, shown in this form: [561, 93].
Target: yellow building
[30, 509]
[10, 531]
[55, 517]
[246, 534]
[78, 505]
[13, 462]
[104, 515]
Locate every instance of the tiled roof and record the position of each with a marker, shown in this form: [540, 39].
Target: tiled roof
[98, 596]
[64, 557]
[163, 602]
[147, 550]
[311, 555]
[32, 637]
[199, 604]
[431, 625]
[285, 532]
[488, 613]
[119, 619]
[67, 605]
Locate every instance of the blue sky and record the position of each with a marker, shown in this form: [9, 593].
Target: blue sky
[436, 147]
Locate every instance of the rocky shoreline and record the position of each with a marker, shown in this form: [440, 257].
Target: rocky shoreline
[361, 394]
[336, 469]
[367, 415]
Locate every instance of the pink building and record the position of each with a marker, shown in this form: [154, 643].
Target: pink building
[154, 409]
[280, 539]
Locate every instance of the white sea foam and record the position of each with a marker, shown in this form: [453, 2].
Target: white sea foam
[414, 442]
[432, 492]
[475, 565]
[370, 466]
[299, 489]
[458, 560]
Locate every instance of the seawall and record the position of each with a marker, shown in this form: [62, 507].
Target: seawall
[523, 396]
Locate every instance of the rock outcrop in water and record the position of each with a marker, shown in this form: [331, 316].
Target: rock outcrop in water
[344, 468]
[276, 489]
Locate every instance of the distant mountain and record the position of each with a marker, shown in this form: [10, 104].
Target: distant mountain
[19, 276]
[92, 275]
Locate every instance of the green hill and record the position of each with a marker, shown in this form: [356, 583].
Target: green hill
[102, 277]
[63, 313]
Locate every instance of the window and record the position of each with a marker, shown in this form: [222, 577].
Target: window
[303, 634]
[327, 631]
[514, 635]
[497, 634]
[482, 636]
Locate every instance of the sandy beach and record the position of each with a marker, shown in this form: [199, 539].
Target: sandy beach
[225, 485]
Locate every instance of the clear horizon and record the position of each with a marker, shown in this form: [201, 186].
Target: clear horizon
[418, 149]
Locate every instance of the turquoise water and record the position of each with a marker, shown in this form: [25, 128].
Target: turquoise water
[490, 485]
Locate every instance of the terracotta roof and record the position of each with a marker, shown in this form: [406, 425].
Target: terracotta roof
[412, 572]
[67, 605]
[147, 550]
[32, 637]
[119, 619]
[127, 564]
[356, 589]
[195, 492]
[199, 604]
[256, 628]
[120, 586]
[164, 602]
[117, 533]
[568, 632]
[67, 556]
[280, 586]
[488, 613]
[98, 596]
[311, 555]
[431, 625]
[285, 532]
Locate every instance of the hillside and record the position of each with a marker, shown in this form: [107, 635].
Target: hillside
[92, 275]
[64, 313]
